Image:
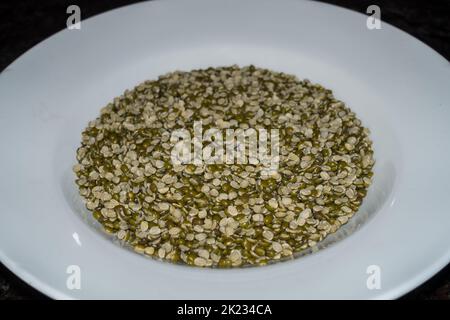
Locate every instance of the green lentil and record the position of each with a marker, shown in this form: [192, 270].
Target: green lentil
[224, 215]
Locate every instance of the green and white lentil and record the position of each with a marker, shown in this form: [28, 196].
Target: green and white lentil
[224, 215]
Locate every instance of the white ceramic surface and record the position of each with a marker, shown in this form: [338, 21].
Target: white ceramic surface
[397, 85]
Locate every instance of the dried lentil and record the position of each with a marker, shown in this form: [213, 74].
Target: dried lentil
[224, 215]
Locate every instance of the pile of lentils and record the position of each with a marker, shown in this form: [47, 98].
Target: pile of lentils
[224, 215]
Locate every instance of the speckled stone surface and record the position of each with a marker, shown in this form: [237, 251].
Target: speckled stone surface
[23, 24]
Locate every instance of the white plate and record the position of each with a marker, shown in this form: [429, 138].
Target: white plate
[396, 84]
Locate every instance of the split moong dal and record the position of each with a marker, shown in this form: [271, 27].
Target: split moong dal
[224, 215]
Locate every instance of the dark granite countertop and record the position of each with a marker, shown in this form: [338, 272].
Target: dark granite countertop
[23, 24]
